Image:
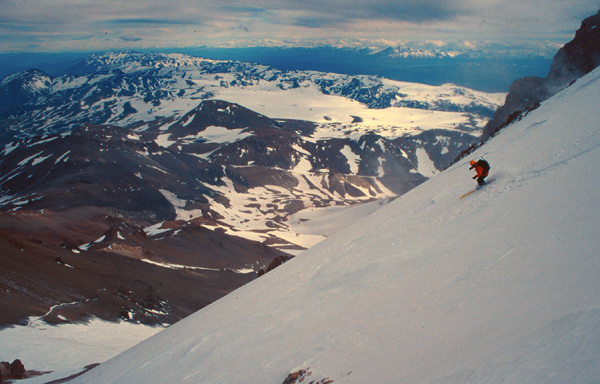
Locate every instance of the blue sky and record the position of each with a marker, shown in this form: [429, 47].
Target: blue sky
[73, 25]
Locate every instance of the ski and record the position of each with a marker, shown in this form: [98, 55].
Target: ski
[476, 188]
[468, 193]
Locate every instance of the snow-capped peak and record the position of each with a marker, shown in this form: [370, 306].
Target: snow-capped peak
[29, 83]
[128, 61]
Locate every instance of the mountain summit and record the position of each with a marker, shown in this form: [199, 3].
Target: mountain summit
[501, 286]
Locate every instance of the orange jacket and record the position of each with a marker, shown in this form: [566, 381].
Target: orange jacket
[479, 170]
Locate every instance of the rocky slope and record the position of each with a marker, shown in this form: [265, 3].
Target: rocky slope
[574, 60]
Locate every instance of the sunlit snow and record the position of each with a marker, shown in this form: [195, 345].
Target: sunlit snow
[220, 135]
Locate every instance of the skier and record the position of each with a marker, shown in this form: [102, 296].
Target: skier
[482, 169]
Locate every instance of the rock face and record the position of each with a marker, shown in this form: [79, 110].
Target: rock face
[302, 375]
[279, 260]
[574, 60]
[578, 57]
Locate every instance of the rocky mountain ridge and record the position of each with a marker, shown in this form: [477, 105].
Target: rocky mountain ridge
[575, 59]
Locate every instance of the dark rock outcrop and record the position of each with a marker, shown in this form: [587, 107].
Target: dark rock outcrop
[12, 371]
[574, 60]
[279, 260]
[303, 374]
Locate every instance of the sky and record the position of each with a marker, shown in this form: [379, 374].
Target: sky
[92, 25]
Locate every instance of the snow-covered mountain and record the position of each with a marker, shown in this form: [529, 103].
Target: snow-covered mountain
[125, 87]
[415, 53]
[357, 137]
[500, 286]
[222, 163]
[155, 162]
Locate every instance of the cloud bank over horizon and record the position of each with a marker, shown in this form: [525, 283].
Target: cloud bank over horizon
[74, 25]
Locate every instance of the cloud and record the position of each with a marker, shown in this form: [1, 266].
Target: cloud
[404, 10]
[130, 38]
[469, 45]
[255, 11]
[57, 23]
[418, 11]
[147, 21]
[241, 28]
[319, 20]
[436, 43]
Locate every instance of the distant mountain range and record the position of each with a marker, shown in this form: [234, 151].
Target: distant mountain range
[189, 170]
[125, 88]
[491, 69]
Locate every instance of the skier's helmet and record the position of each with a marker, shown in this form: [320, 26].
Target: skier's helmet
[473, 162]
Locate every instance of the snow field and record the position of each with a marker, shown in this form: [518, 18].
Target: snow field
[309, 103]
[219, 135]
[67, 349]
[325, 222]
[264, 206]
[498, 287]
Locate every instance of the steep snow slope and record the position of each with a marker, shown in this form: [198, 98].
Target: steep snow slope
[501, 286]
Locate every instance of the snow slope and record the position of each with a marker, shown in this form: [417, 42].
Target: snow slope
[64, 350]
[501, 286]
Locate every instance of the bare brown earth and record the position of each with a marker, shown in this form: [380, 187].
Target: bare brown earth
[78, 210]
[43, 274]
